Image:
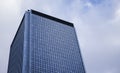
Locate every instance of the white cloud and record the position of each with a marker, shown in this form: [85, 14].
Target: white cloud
[117, 14]
[88, 4]
[112, 71]
[9, 16]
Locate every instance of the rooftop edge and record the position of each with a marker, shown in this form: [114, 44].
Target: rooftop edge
[51, 17]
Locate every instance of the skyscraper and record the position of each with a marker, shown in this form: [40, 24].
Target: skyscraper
[45, 44]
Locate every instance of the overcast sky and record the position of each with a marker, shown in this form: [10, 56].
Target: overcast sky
[97, 24]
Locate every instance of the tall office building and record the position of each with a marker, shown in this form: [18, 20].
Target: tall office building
[45, 44]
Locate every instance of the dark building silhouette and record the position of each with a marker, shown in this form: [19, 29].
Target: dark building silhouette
[45, 44]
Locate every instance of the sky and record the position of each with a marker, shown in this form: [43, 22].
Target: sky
[97, 24]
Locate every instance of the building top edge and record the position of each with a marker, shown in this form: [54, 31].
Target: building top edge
[51, 17]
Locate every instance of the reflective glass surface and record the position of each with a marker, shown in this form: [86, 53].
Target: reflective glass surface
[54, 47]
[45, 45]
[16, 51]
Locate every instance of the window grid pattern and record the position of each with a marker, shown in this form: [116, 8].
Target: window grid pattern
[16, 52]
[54, 47]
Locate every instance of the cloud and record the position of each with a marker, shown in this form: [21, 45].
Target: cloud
[9, 16]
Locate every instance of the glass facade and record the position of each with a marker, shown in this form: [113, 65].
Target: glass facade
[16, 51]
[50, 45]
